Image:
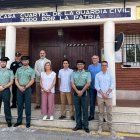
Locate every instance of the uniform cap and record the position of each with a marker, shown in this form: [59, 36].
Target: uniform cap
[80, 61]
[17, 54]
[25, 58]
[4, 59]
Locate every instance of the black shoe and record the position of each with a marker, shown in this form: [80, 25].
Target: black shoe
[104, 120]
[9, 124]
[37, 107]
[72, 118]
[86, 130]
[76, 128]
[17, 124]
[62, 117]
[13, 106]
[90, 118]
[27, 125]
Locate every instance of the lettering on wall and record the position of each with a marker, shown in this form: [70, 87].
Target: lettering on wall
[66, 15]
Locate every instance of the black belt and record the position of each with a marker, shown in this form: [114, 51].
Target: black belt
[80, 88]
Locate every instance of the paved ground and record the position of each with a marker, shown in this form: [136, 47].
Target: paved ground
[43, 133]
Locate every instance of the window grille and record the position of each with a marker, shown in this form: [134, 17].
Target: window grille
[131, 51]
[2, 47]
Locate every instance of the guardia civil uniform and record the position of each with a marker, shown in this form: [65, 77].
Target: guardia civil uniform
[24, 76]
[80, 78]
[6, 75]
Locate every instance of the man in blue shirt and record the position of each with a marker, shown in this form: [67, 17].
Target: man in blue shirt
[94, 69]
[104, 84]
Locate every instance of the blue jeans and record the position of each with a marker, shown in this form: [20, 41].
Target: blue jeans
[92, 95]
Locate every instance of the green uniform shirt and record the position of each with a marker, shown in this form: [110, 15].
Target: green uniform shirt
[6, 75]
[24, 75]
[81, 78]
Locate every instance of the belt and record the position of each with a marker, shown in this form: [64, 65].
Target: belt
[80, 88]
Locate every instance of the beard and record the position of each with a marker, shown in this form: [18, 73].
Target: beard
[3, 66]
[42, 57]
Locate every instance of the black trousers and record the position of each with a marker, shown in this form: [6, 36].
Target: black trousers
[14, 93]
[24, 97]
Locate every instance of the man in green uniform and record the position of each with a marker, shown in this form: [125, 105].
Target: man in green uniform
[6, 80]
[24, 78]
[80, 83]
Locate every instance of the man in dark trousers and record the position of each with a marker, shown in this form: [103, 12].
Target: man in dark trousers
[14, 66]
[80, 81]
[6, 81]
[24, 79]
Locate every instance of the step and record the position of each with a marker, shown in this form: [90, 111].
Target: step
[128, 127]
[120, 114]
[124, 119]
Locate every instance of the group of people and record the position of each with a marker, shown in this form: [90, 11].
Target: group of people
[74, 86]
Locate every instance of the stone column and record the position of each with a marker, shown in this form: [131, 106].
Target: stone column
[109, 51]
[10, 44]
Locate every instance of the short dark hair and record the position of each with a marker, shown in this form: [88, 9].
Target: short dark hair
[65, 60]
[104, 62]
[80, 61]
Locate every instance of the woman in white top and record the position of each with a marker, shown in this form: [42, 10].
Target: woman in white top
[47, 83]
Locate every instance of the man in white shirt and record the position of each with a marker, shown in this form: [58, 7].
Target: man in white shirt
[65, 89]
[39, 67]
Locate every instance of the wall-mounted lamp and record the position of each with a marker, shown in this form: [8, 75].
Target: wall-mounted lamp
[60, 32]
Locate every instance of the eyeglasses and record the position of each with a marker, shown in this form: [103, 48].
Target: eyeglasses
[104, 65]
[94, 58]
[65, 63]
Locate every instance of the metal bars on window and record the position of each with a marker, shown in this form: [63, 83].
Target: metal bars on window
[2, 47]
[131, 51]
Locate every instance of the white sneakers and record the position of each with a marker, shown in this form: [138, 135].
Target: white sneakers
[51, 118]
[99, 130]
[46, 118]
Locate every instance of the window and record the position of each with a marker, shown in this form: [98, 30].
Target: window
[2, 47]
[131, 51]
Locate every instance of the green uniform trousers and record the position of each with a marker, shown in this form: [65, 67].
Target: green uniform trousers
[24, 97]
[81, 107]
[5, 97]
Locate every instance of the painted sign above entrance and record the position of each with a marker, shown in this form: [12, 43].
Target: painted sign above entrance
[66, 15]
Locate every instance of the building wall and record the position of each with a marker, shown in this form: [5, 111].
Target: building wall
[2, 34]
[22, 40]
[127, 78]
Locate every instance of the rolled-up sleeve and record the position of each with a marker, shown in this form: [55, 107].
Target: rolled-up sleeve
[89, 77]
[72, 77]
[112, 82]
[36, 70]
[33, 74]
[97, 86]
[11, 75]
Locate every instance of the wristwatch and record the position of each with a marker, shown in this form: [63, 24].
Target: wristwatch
[108, 94]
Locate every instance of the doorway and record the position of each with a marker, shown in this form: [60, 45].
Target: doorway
[73, 43]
